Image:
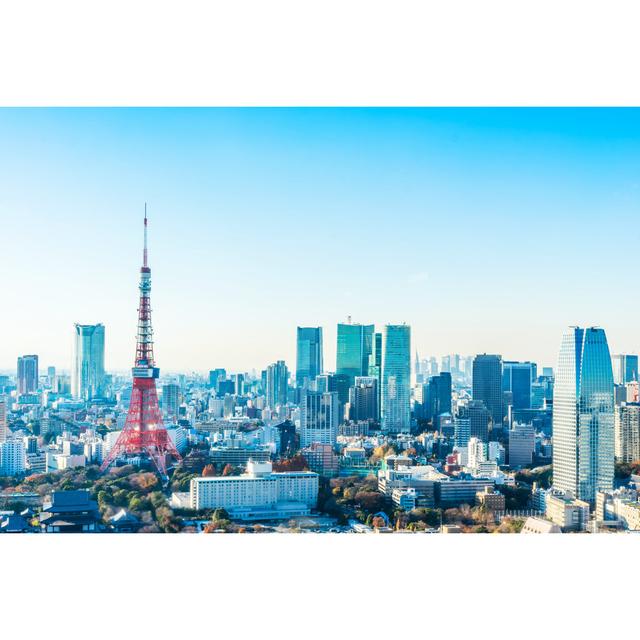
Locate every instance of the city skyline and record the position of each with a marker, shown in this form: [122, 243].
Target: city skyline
[480, 213]
[422, 452]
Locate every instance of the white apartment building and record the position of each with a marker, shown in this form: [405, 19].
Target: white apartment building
[178, 436]
[258, 488]
[69, 461]
[110, 439]
[12, 458]
[94, 451]
[476, 452]
[36, 462]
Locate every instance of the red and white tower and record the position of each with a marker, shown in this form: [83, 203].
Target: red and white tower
[144, 431]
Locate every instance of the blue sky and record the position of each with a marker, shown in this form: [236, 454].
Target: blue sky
[484, 229]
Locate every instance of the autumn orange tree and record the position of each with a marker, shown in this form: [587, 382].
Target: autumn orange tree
[295, 463]
[209, 471]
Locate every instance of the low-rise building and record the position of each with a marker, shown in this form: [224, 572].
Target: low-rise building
[451, 528]
[405, 499]
[539, 525]
[569, 514]
[358, 428]
[454, 491]
[64, 461]
[620, 505]
[490, 499]
[14, 523]
[69, 512]
[422, 478]
[397, 461]
[260, 488]
[321, 458]
[539, 497]
[124, 522]
[239, 456]
[354, 456]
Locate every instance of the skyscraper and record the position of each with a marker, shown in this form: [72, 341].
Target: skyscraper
[521, 444]
[309, 362]
[375, 364]
[462, 432]
[354, 346]
[517, 377]
[238, 380]
[438, 396]
[87, 372]
[625, 368]
[583, 415]
[170, 399]
[4, 429]
[277, 383]
[375, 358]
[318, 417]
[487, 385]
[215, 375]
[479, 418]
[396, 378]
[627, 432]
[27, 374]
[364, 398]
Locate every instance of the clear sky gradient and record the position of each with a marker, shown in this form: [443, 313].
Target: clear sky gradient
[484, 229]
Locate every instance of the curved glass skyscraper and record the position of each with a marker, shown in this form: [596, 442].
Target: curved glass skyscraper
[87, 373]
[583, 414]
[396, 378]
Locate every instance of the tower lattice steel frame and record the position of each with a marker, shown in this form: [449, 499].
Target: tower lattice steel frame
[144, 431]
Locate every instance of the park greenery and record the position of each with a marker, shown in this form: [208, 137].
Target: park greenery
[624, 470]
[542, 476]
[347, 498]
[140, 492]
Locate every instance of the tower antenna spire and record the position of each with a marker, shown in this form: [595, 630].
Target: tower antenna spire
[144, 255]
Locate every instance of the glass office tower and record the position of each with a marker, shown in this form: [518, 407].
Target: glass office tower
[518, 377]
[625, 368]
[583, 415]
[277, 379]
[87, 373]
[355, 342]
[308, 355]
[396, 379]
[27, 374]
[487, 385]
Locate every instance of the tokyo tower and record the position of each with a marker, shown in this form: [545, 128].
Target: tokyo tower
[144, 431]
